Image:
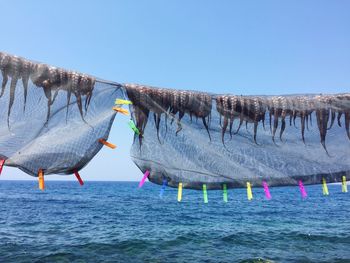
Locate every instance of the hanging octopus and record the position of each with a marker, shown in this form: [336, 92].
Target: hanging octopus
[169, 102]
[50, 79]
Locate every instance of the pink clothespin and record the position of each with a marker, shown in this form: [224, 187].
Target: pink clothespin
[302, 189]
[267, 191]
[143, 179]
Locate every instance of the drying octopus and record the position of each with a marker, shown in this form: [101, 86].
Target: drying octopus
[252, 109]
[248, 109]
[170, 103]
[50, 79]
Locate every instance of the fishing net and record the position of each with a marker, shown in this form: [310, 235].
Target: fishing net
[197, 138]
[52, 119]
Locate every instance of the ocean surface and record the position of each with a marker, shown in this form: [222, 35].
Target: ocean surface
[117, 222]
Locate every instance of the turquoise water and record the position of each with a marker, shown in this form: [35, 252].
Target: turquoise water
[116, 222]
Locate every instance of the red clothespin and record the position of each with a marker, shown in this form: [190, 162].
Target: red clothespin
[79, 178]
[2, 162]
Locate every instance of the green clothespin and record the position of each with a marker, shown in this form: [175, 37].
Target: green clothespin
[224, 188]
[205, 194]
[133, 127]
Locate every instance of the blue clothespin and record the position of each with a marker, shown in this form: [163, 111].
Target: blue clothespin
[165, 182]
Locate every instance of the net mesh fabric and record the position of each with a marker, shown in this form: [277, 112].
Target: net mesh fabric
[186, 151]
[63, 142]
[52, 119]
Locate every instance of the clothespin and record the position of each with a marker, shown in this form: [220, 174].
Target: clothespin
[165, 182]
[108, 144]
[249, 191]
[179, 192]
[224, 189]
[79, 178]
[122, 102]
[2, 162]
[41, 179]
[133, 127]
[302, 189]
[344, 187]
[121, 110]
[205, 194]
[145, 175]
[324, 187]
[266, 190]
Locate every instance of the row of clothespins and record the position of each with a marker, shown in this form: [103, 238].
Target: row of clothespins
[249, 189]
[119, 103]
[118, 108]
[41, 176]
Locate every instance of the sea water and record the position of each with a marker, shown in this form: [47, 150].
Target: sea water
[117, 222]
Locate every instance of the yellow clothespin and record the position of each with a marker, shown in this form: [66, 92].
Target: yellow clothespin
[249, 191]
[41, 180]
[121, 110]
[122, 102]
[344, 187]
[324, 187]
[179, 193]
[108, 144]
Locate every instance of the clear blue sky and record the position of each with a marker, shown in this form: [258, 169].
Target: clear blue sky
[242, 47]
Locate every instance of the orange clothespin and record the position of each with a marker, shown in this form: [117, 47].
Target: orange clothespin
[121, 110]
[2, 162]
[41, 179]
[79, 178]
[108, 144]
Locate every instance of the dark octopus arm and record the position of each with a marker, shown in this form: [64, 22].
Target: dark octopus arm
[50, 79]
[249, 109]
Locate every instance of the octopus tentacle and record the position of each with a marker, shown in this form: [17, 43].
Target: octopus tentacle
[332, 119]
[47, 92]
[283, 126]
[255, 131]
[12, 97]
[5, 61]
[276, 113]
[80, 105]
[157, 123]
[26, 71]
[242, 111]
[234, 112]
[284, 111]
[310, 119]
[322, 115]
[240, 124]
[206, 127]
[14, 71]
[302, 122]
[338, 118]
[69, 94]
[257, 109]
[347, 123]
[4, 83]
